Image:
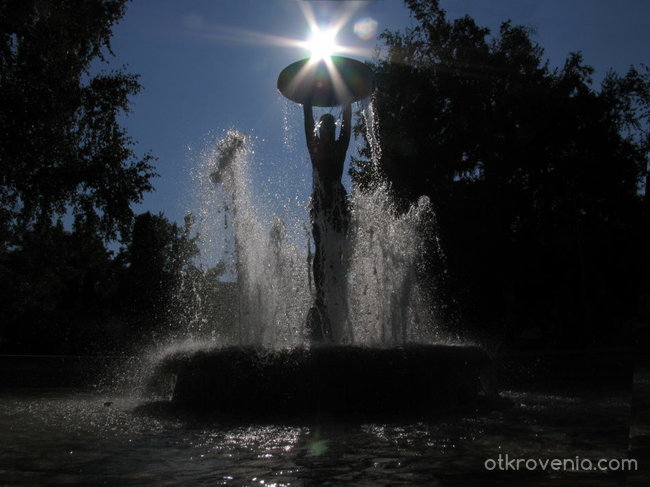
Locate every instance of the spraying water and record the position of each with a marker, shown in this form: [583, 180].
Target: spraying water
[268, 266]
[379, 301]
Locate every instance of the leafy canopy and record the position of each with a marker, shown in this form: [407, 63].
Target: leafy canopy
[61, 146]
[536, 177]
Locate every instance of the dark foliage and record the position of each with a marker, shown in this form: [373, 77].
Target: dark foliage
[63, 292]
[534, 175]
[61, 147]
[152, 265]
[63, 155]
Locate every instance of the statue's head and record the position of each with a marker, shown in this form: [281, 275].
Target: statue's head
[327, 127]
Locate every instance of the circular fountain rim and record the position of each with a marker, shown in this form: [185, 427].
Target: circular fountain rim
[337, 380]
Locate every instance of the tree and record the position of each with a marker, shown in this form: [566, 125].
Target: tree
[532, 173]
[153, 264]
[54, 292]
[63, 156]
[63, 292]
[61, 147]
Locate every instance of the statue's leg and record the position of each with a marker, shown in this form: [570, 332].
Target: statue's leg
[318, 320]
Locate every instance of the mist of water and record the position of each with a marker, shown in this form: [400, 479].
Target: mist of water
[269, 256]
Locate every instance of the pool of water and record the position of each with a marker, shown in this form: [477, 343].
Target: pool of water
[72, 437]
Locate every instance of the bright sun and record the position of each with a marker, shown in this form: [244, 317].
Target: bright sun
[322, 43]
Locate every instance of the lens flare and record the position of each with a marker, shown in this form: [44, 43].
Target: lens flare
[322, 43]
[365, 28]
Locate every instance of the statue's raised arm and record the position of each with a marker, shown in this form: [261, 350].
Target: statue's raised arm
[346, 127]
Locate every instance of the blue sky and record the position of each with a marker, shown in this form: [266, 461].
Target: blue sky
[209, 65]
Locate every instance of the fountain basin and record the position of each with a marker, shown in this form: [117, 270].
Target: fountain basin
[343, 381]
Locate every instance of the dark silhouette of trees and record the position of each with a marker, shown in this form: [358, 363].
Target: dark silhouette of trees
[535, 176]
[63, 292]
[61, 147]
[63, 158]
[154, 260]
[53, 291]
[110, 281]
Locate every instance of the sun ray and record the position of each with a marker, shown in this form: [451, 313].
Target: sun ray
[308, 14]
[236, 35]
[341, 89]
[349, 12]
[321, 45]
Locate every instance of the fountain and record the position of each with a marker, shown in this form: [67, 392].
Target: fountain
[346, 330]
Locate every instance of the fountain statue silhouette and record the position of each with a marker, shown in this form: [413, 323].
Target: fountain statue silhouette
[347, 329]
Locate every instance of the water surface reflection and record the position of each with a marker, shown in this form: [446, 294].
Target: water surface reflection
[88, 438]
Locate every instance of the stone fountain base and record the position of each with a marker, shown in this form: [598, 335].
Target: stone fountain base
[331, 380]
